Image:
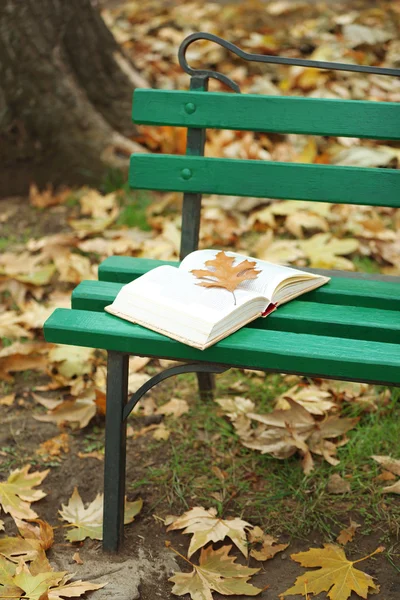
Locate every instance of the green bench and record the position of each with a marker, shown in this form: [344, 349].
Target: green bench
[347, 329]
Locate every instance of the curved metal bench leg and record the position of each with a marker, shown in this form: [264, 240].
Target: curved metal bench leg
[118, 410]
[115, 451]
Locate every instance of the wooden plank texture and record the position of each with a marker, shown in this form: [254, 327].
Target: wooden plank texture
[125, 268]
[297, 316]
[362, 290]
[220, 110]
[258, 349]
[347, 185]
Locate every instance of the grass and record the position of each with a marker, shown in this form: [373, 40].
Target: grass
[206, 465]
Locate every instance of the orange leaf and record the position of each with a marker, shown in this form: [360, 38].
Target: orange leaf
[224, 274]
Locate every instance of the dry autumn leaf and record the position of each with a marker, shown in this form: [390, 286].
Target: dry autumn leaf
[217, 572]
[269, 547]
[18, 492]
[311, 397]
[388, 463]
[347, 535]
[326, 252]
[224, 274]
[207, 527]
[88, 521]
[52, 448]
[39, 581]
[337, 574]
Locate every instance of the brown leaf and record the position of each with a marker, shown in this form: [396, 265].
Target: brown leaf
[42, 532]
[268, 544]
[347, 535]
[77, 558]
[337, 485]
[223, 274]
[392, 489]
[388, 463]
[53, 447]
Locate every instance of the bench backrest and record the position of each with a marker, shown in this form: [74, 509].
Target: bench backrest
[195, 174]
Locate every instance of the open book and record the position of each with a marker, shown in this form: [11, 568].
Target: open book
[172, 301]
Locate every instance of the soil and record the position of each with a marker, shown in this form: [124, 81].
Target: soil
[141, 569]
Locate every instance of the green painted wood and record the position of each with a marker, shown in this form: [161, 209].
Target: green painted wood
[297, 316]
[364, 291]
[219, 110]
[125, 268]
[280, 351]
[347, 185]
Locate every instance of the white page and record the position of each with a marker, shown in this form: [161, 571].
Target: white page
[173, 291]
[267, 281]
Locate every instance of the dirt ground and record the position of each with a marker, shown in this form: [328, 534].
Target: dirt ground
[142, 567]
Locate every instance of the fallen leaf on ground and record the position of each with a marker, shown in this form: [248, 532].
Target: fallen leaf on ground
[74, 412]
[72, 360]
[37, 529]
[337, 574]
[388, 463]
[88, 521]
[94, 454]
[392, 489]
[312, 398]
[216, 572]
[347, 535]
[224, 274]
[161, 433]
[17, 492]
[52, 448]
[269, 547]
[76, 558]
[326, 252]
[175, 407]
[207, 527]
[7, 400]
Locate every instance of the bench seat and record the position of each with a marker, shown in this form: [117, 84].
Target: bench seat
[347, 329]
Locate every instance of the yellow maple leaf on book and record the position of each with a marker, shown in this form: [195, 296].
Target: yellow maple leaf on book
[224, 274]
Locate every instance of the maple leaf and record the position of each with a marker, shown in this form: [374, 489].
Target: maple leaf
[312, 398]
[31, 546]
[17, 492]
[216, 571]
[223, 274]
[35, 586]
[268, 544]
[207, 527]
[326, 251]
[337, 574]
[88, 522]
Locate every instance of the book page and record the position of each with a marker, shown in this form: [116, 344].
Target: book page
[176, 294]
[267, 282]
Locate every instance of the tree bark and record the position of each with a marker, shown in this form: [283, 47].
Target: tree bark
[65, 95]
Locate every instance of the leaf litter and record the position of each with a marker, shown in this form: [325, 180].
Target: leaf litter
[36, 276]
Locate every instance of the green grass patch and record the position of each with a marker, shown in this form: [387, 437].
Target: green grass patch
[206, 465]
[134, 210]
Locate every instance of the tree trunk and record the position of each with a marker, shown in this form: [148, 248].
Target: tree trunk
[65, 95]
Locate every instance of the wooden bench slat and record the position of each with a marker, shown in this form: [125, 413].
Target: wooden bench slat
[220, 110]
[310, 355]
[124, 269]
[365, 291]
[297, 316]
[261, 179]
